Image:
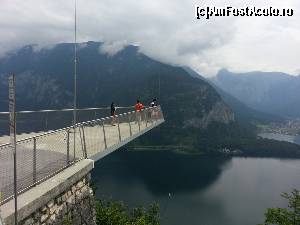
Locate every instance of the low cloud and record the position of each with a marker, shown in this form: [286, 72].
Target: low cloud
[164, 29]
[112, 47]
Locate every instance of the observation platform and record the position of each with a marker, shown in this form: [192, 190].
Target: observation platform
[41, 155]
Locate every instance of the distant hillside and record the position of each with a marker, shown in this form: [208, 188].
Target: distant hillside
[243, 113]
[197, 119]
[269, 92]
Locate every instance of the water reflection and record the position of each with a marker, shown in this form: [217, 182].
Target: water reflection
[162, 172]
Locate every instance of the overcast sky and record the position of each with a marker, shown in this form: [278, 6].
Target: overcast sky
[166, 30]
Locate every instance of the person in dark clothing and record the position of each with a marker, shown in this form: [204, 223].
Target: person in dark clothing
[153, 103]
[113, 113]
[153, 110]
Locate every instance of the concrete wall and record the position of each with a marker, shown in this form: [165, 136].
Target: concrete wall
[66, 197]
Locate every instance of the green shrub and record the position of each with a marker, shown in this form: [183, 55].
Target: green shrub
[117, 213]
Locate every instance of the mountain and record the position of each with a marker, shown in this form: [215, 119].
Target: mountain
[197, 119]
[243, 113]
[45, 80]
[269, 92]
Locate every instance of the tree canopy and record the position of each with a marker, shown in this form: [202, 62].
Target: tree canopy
[285, 216]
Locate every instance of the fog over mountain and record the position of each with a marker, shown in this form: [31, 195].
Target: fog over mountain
[275, 93]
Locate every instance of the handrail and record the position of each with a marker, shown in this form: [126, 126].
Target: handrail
[65, 110]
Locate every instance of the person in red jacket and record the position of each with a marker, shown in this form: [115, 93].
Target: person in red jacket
[138, 108]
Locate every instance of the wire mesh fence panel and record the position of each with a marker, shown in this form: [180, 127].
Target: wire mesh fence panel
[158, 115]
[24, 155]
[93, 137]
[50, 154]
[124, 128]
[144, 122]
[6, 172]
[38, 158]
[111, 131]
[74, 149]
[134, 122]
[4, 124]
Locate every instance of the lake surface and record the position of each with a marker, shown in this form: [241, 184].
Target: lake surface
[204, 190]
[281, 137]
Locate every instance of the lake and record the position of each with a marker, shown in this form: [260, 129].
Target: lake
[203, 190]
[281, 137]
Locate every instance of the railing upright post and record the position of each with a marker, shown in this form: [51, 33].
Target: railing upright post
[139, 117]
[34, 160]
[68, 147]
[146, 117]
[84, 143]
[153, 115]
[104, 135]
[74, 142]
[46, 121]
[130, 131]
[119, 129]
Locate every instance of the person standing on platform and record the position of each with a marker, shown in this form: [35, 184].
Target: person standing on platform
[138, 108]
[113, 113]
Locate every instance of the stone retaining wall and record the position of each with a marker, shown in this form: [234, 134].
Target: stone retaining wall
[64, 199]
[75, 206]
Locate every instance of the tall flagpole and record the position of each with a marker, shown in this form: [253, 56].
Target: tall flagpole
[75, 74]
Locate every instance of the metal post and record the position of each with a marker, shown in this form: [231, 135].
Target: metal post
[130, 131]
[119, 128]
[46, 121]
[153, 113]
[68, 147]
[75, 77]
[74, 145]
[84, 144]
[15, 189]
[81, 140]
[146, 117]
[104, 136]
[34, 160]
[12, 126]
[139, 118]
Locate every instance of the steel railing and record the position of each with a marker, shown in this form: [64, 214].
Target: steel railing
[45, 120]
[44, 155]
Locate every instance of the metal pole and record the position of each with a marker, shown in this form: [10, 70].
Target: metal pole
[68, 147]
[46, 121]
[139, 118]
[75, 75]
[84, 144]
[119, 129]
[81, 141]
[15, 189]
[34, 160]
[104, 136]
[129, 114]
[153, 114]
[12, 124]
[146, 116]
